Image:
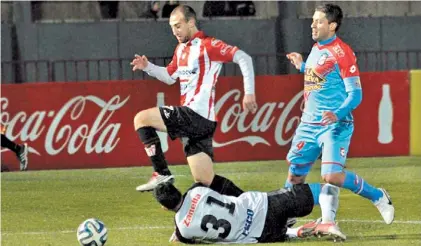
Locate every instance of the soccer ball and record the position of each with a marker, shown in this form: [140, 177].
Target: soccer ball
[92, 232]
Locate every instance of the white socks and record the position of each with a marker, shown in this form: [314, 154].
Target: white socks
[292, 232]
[329, 202]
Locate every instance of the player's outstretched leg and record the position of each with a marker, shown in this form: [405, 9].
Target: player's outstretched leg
[348, 180]
[378, 196]
[22, 156]
[21, 151]
[336, 142]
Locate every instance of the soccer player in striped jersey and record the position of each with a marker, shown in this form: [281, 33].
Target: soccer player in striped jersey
[196, 65]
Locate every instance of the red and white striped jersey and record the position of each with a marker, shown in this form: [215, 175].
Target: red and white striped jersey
[196, 64]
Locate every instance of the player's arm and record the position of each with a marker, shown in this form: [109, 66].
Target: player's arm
[164, 74]
[296, 59]
[302, 67]
[351, 77]
[167, 74]
[220, 51]
[245, 62]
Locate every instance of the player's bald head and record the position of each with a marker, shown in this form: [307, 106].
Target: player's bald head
[183, 23]
[186, 11]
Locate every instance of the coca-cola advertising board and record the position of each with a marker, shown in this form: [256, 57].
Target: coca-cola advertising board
[90, 124]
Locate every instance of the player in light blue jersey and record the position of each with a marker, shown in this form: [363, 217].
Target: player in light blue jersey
[332, 90]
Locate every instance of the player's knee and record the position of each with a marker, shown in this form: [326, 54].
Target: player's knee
[298, 169]
[140, 119]
[332, 178]
[201, 167]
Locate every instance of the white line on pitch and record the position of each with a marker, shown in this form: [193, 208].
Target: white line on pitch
[189, 175]
[414, 222]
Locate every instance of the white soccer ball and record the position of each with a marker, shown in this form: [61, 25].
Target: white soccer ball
[92, 232]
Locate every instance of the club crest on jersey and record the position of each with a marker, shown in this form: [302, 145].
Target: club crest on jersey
[322, 59]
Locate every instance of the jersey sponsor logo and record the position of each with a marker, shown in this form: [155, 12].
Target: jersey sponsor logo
[248, 223]
[352, 69]
[312, 81]
[315, 77]
[187, 72]
[192, 209]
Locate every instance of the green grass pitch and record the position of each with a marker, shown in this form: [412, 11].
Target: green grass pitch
[46, 207]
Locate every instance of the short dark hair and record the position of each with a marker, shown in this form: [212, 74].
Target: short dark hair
[187, 11]
[167, 195]
[333, 13]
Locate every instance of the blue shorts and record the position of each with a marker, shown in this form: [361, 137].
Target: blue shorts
[311, 140]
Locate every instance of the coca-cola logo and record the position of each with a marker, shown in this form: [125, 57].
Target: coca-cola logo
[99, 136]
[263, 119]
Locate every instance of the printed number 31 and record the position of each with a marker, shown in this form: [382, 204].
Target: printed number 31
[216, 224]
